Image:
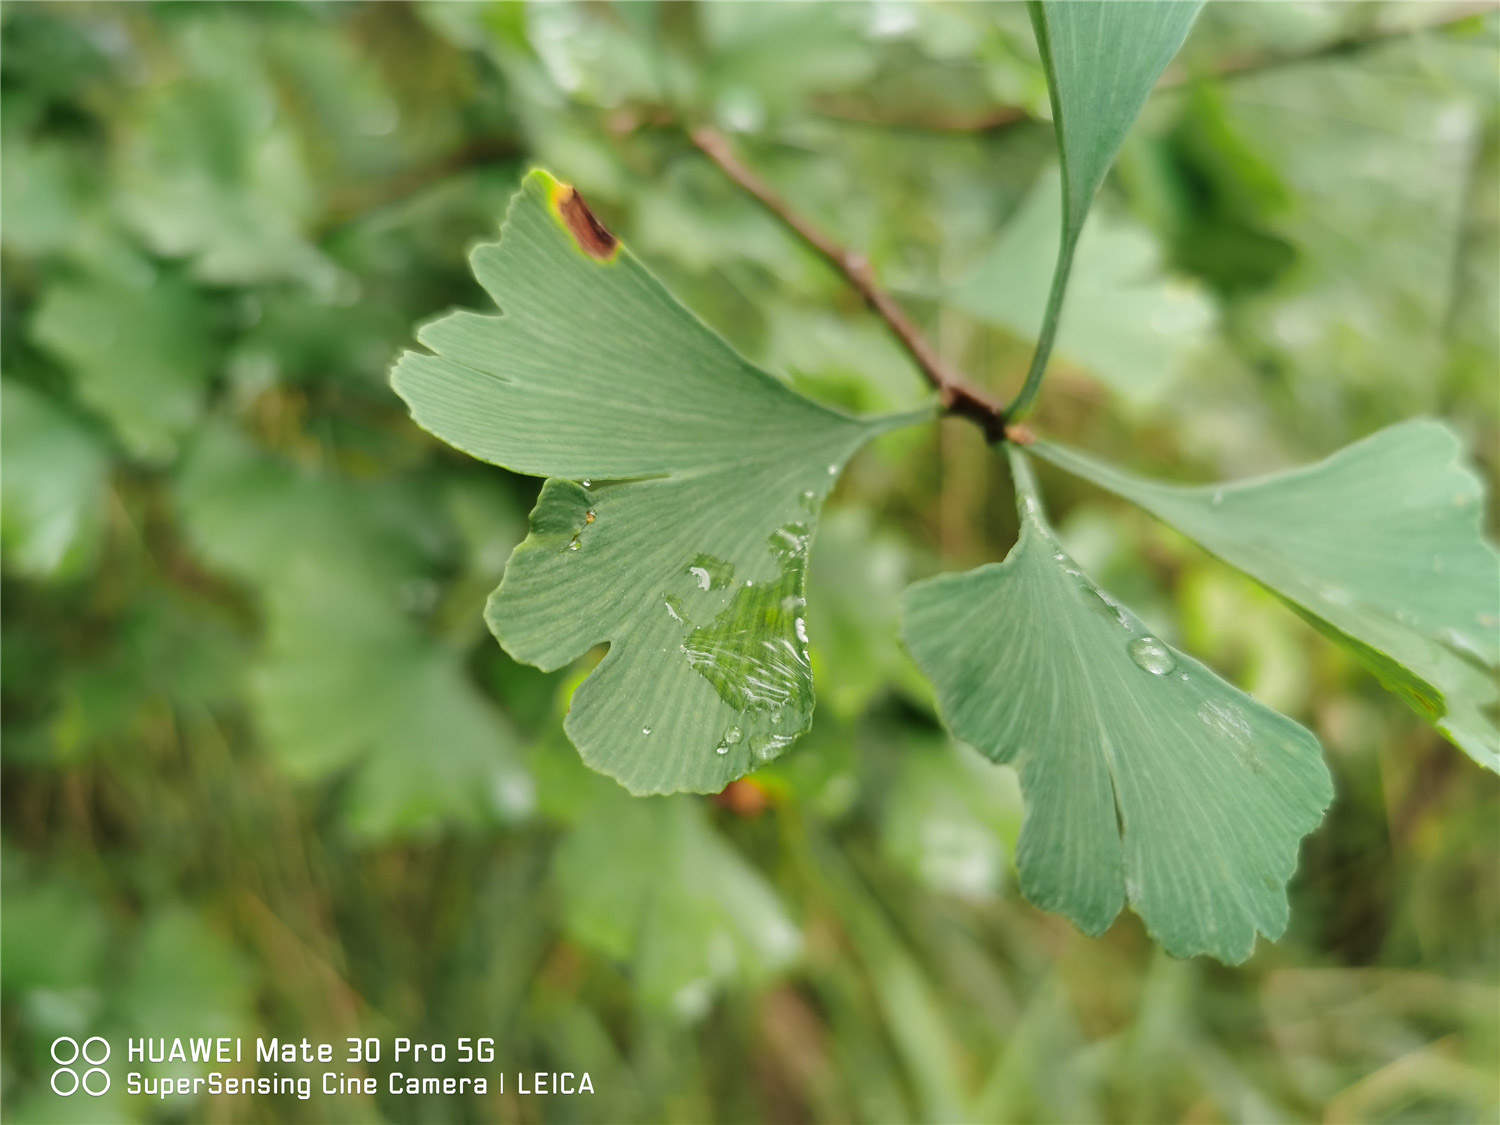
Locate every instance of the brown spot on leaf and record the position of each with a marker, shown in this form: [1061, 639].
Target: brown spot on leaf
[587, 231]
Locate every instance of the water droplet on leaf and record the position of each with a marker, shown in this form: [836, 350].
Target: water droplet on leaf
[1151, 655]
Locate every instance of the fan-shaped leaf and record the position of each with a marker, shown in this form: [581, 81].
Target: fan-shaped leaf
[1148, 779]
[1379, 547]
[680, 534]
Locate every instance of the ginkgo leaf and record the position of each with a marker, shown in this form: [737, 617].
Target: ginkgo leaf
[139, 349]
[1147, 778]
[1379, 546]
[1101, 57]
[676, 528]
[53, 485]
[349, 682]
[652, 884]
[1142, 323]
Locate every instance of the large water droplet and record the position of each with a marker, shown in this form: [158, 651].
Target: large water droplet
[732, 735]
[710, 573]
[1151, 655]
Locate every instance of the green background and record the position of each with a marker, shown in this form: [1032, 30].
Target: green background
[265, 772]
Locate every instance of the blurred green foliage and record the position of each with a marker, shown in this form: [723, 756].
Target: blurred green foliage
[266, 773]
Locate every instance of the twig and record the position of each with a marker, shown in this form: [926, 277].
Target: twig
[958, 396]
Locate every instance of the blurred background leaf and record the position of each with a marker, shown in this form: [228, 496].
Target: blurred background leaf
[224, 545]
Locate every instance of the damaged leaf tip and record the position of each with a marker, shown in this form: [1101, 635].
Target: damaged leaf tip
[593, 238]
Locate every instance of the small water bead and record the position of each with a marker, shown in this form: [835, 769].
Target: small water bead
[645, 730]
[702, 575]
[721, 749]
[801, 624]
[574, 544]
[833, 470]
[732, 735]
[587, 483]
[1151, 655]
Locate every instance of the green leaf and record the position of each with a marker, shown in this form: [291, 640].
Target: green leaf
[1379, 547]
[139, 350]
[653, 884]
[52, 488]
[1101, 57]
[1142, 323]
[349, 680]
[680, 535]
[1147, 777]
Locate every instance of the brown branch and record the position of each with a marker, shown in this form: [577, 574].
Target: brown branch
[958, 396]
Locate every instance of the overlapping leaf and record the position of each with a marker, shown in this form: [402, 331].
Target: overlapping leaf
[686, 486]
[1148, 779]
[1378, 546]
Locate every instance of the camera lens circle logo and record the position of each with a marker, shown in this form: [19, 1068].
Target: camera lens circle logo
[71, 1056]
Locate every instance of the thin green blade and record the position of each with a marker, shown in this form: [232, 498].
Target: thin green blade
[1380, 547]
[680, 538]
[1148, 779]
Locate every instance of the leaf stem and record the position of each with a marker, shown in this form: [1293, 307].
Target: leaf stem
[1038, 369]
[959, 397]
